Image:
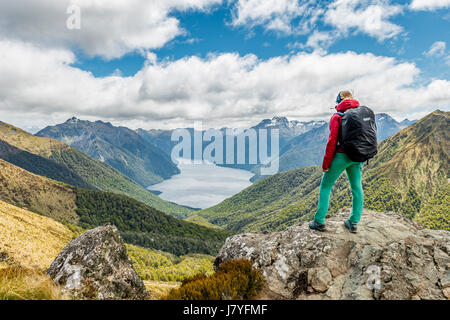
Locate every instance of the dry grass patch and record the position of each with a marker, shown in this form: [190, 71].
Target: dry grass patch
[28, 142]
[28, 239]
[158, 289]
[48, 197]
[17, 283]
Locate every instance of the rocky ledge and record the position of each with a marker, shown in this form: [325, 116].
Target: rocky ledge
[96, 266]
[390, 257]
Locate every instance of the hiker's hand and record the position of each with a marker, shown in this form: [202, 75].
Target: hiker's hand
[325, 170]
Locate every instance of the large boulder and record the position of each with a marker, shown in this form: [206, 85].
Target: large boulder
[390, 257]
[95, 265]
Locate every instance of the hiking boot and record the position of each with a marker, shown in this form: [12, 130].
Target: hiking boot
[317, 226]
[352, 227]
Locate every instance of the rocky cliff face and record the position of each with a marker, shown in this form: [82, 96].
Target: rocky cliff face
[96, 266]
[390, 257]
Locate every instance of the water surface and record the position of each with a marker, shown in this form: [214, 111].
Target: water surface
[202, 185]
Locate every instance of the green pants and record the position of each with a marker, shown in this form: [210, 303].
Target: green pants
[340, 163]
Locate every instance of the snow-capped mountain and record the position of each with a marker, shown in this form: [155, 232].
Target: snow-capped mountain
[288, 129]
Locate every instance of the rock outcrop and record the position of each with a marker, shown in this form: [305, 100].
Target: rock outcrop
[390, 257]
[95, 265]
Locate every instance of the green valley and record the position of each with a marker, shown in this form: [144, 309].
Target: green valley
[138, 223]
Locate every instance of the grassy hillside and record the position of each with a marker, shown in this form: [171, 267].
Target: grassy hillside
[36, 193]
[77, 166]
[410, 175]
[28, 239]
[40, 165]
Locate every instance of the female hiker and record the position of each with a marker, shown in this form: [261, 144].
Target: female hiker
[345, 155]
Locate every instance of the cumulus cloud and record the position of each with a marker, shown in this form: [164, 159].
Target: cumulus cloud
[302, 16]
[320, 41]
[437, 49]
[429, 4]
[276, 15]
[109, 28]
[364, 16]
[38, 86]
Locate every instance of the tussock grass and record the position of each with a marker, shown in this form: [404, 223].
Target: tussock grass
[159, 289]
[25, 189]
[28, 239]
[18, 283]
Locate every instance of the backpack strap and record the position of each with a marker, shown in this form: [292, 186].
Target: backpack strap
[339, 142]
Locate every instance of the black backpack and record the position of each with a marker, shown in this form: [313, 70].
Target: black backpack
[358, 136]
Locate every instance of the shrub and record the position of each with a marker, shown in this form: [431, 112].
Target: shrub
[234, 280]
[17, 283]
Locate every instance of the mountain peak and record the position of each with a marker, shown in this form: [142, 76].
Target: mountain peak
[72, 120]
[384, 116]
[441, 113]
[280, 119]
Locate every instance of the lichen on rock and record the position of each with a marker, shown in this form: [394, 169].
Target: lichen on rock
[95, 265]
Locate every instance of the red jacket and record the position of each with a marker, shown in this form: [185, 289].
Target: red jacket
[335, 125]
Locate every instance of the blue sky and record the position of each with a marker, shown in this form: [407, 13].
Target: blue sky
[213, 32]
[163, 64]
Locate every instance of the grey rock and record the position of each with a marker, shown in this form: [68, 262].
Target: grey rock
[95, 265]
[391, 257]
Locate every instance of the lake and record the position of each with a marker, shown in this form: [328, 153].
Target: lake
[202, 185]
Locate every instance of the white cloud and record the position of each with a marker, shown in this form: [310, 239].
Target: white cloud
[364, 16]
[321, 40]
[277, 15]
[429, 4]
[371, 17]
[109, 28]
[437, 49]
[39, 86]
[318, 41]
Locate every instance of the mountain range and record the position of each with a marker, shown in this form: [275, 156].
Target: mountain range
[120, 147]
[288, 129]
[410, 175]
[56, 160]
[301, 143]
[308, 149]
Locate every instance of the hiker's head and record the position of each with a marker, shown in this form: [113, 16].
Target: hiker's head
[343, 95]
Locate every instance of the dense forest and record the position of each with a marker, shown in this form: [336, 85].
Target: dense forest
[145, 226]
